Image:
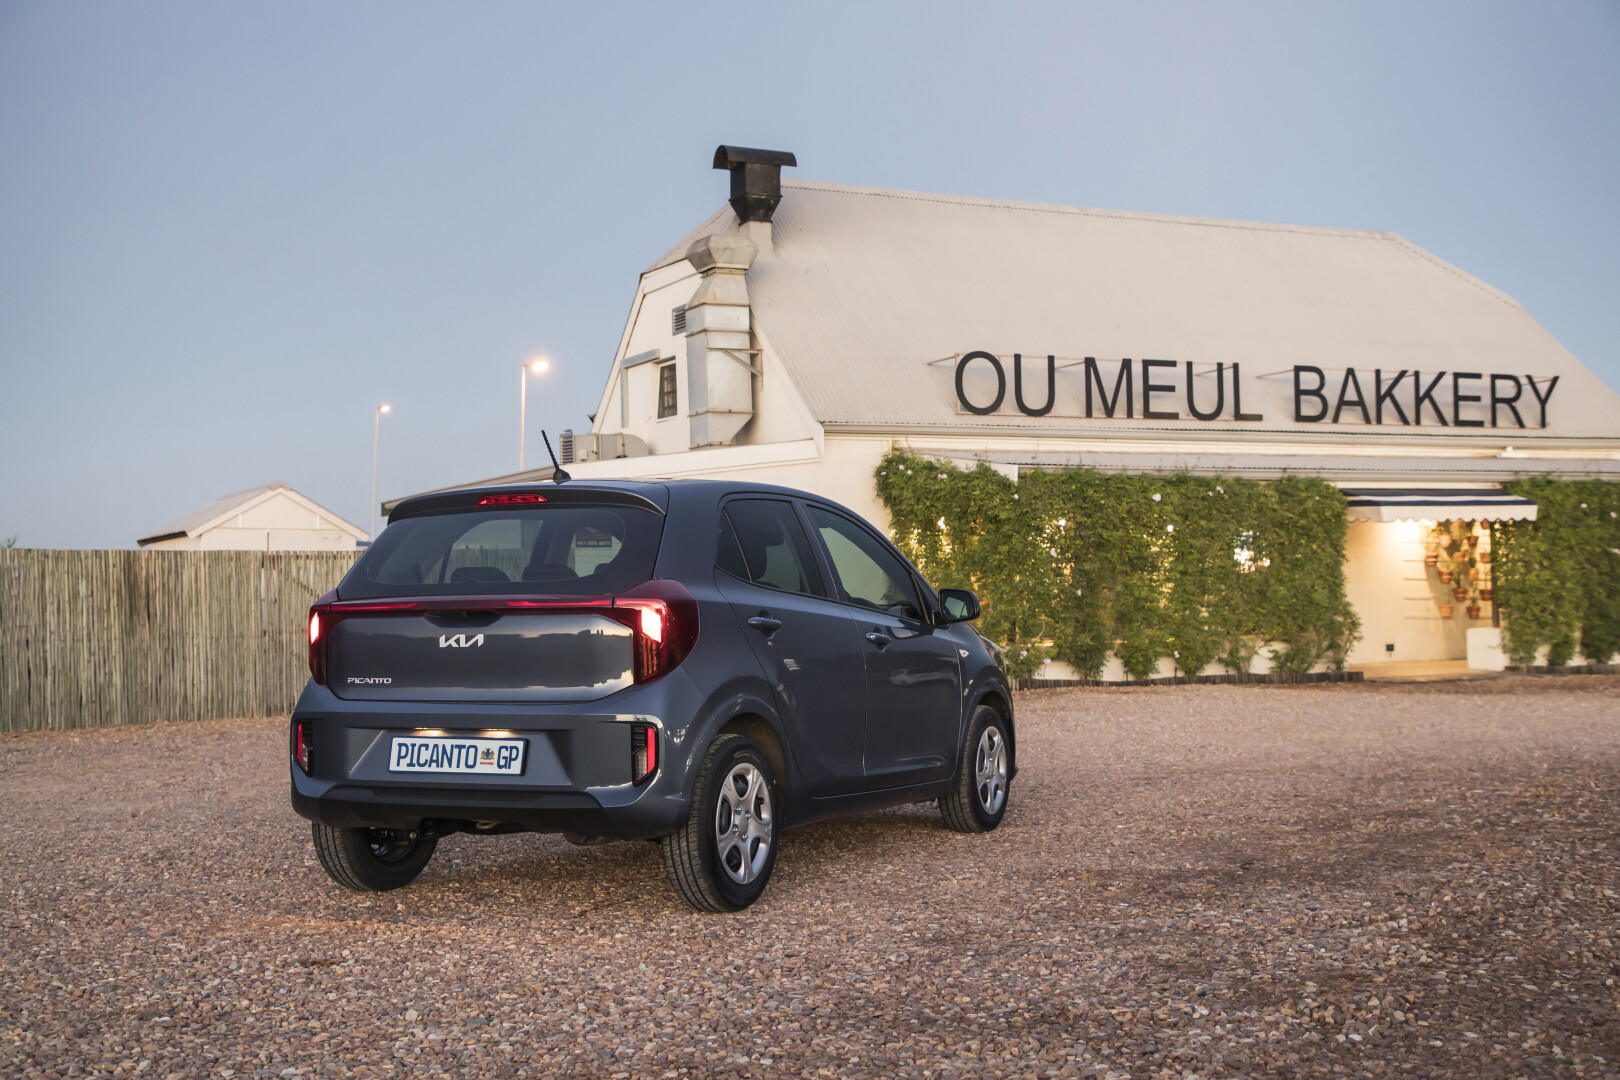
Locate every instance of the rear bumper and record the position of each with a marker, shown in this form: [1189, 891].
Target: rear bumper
[576, 777]
[349, 806]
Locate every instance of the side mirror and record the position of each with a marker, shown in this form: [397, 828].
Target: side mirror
[958, 605]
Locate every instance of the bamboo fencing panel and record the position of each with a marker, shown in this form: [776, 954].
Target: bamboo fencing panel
[96, 638]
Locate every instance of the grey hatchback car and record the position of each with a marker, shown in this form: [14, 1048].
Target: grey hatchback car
[700, 664]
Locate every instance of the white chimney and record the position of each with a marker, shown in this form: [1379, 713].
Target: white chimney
[720, 356]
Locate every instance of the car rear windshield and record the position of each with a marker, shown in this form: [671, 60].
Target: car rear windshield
[569, 550]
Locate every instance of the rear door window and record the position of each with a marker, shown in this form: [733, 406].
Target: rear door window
[567, 550]
[772, 546]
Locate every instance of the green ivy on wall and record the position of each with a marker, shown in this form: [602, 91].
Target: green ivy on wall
[1073, 564]
[1558, 577]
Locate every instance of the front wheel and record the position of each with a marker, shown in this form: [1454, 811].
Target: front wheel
[372, 860]
[721, 859]
[978, 800]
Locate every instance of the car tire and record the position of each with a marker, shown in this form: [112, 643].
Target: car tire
[372, 860]
[721, 859]
[978, 800]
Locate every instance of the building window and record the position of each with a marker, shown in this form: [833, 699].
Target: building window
[666, 391]
[677, 319]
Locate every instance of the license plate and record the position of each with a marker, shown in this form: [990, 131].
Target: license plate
[437, 754]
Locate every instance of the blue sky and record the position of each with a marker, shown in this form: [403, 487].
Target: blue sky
[227, 231]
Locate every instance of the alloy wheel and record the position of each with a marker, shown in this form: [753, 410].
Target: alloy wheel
[990, 770]
[744, 826]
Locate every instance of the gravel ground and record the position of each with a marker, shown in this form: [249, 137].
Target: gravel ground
[1376, 880]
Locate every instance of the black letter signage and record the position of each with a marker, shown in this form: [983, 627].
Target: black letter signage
[1092, 376]
[1018, 386]
[1498, 399]
[1149, 388]
[1458, 397]
[1423, 394]
[1220, 393]
[1001, 383]
[1301, 392]
[1459, 405]
[1541, 398]
[1388, 395]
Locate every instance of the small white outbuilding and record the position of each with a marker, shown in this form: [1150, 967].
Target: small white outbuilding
[273, 517]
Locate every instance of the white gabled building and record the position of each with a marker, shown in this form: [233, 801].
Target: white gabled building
[273, 517]
[805, 328]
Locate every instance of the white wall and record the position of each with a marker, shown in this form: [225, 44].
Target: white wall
[631, 401]
[1398, 598]
[279, 523]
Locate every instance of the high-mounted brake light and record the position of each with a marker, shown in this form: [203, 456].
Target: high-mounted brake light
[664, 616]
[510, 500]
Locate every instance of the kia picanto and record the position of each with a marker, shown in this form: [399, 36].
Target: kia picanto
[700, 664]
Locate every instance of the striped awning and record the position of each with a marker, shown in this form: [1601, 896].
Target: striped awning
[1437, 504]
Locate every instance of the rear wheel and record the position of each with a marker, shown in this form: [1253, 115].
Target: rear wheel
[721, 859]
[978, 800]
[372, 860]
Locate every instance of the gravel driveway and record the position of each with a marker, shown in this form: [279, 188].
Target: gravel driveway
[1377, 880]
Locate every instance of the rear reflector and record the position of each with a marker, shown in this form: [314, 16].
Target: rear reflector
[511, 500]
[643, 751]
[304, 746]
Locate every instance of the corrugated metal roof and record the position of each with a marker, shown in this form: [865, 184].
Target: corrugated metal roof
[183, 525]
[865, 287]
[190, 524]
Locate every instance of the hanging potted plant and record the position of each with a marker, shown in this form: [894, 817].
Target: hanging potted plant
[1485, 556]
[1485, 593]
[1472, 611]
[1446, 611]
[1473, 540]
[1445, 577]
[1460, 593]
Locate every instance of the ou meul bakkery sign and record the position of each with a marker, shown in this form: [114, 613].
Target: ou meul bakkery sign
[1461, 399]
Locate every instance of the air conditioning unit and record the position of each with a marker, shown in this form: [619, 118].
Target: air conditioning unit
[606, 447]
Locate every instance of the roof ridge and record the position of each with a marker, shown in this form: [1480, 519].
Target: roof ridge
[1084, 211]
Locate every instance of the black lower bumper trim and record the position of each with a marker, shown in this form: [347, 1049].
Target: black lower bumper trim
[350, 807]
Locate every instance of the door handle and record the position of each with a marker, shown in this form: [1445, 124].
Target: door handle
[764, 625]
[878, 639]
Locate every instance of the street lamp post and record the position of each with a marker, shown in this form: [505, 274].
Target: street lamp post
[536, 366]
[376, 427]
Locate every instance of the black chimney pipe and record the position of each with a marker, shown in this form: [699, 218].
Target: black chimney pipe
[756, 179]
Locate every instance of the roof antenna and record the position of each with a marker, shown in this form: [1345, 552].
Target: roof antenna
[557, 474]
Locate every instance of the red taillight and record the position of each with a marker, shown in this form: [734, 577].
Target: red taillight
[643, 751]
[320, 632]
[304, 746]
[666, 625]
[511, 500]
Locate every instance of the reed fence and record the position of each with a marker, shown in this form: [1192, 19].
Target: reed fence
[97, 638]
